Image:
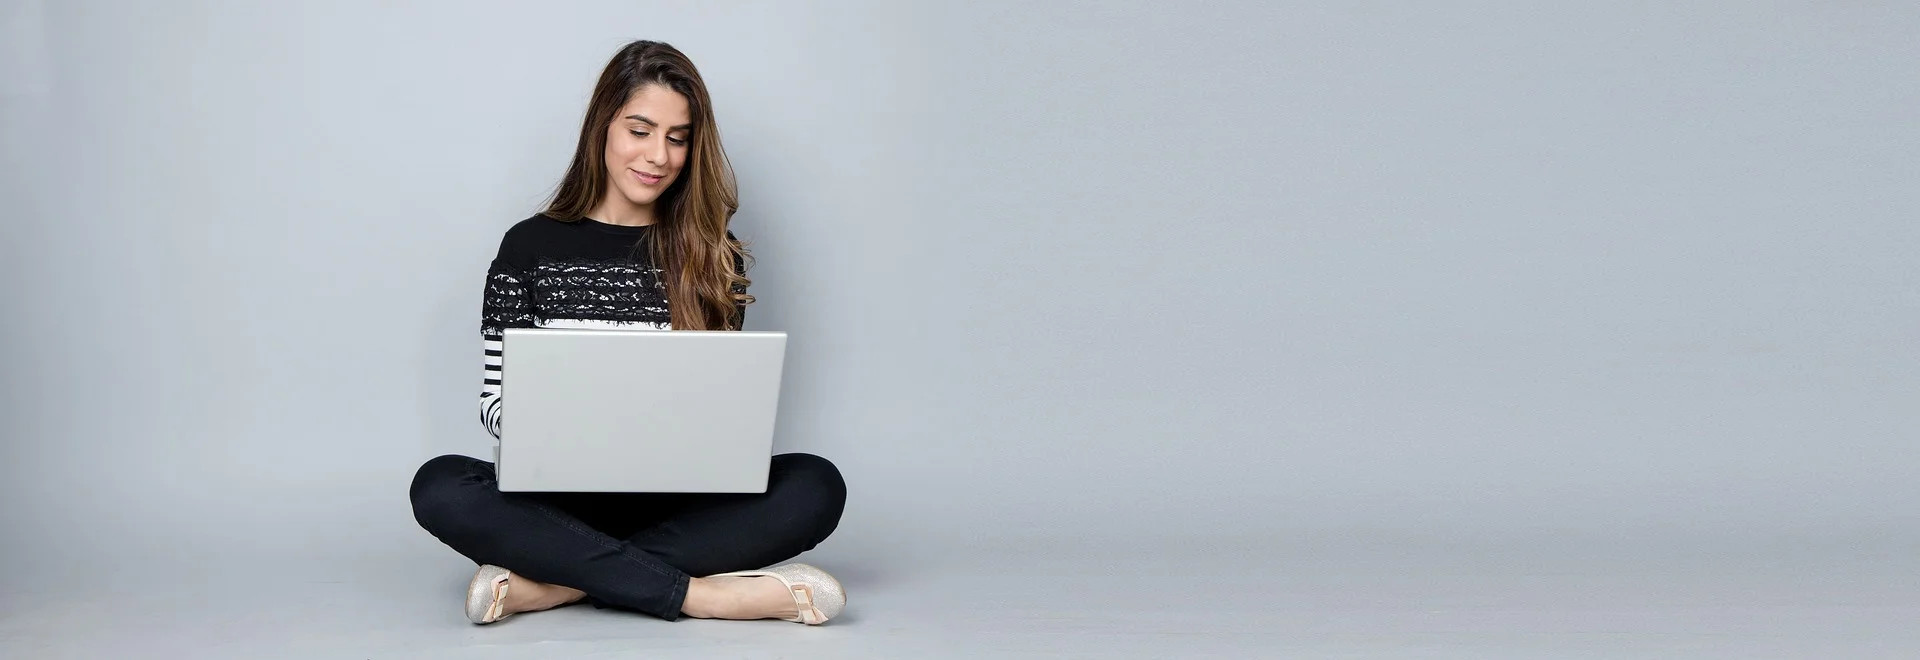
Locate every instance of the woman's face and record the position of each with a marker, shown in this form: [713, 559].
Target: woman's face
[647, 143]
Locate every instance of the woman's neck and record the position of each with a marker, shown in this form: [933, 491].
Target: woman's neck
[616, 209]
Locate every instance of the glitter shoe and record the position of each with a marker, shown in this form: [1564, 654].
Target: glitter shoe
[487, 594]
[816, 594]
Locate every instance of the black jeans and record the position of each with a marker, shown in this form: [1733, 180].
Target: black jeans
[632, 551]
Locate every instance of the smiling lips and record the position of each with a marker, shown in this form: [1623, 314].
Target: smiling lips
[648, 179]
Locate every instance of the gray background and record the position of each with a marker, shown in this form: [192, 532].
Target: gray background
[1156, 287]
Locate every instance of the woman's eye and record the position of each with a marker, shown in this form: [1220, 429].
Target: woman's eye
[675, 141]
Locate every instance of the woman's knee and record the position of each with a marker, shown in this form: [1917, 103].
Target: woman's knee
[814, 479]
[439, 494]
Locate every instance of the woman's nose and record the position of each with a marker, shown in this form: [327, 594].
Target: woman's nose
[656, 152]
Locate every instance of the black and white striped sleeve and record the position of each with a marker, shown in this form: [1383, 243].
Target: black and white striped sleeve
[508, 304]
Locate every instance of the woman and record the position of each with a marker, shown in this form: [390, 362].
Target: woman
[635, 237]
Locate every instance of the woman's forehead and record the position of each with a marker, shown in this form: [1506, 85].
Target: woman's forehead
[658, 105]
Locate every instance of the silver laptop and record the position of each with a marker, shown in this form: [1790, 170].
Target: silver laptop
[646, 411]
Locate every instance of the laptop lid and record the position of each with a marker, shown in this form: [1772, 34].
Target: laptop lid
[593, 410]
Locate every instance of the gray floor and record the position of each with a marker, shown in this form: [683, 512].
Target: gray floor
[1015, 607]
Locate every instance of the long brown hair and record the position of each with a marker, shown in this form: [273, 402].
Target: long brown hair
[690, 244]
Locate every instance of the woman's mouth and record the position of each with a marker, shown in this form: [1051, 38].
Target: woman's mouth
[647, 179]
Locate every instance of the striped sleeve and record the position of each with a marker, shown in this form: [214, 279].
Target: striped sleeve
[508, 304]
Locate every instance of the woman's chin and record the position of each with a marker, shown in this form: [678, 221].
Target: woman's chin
[640, 197]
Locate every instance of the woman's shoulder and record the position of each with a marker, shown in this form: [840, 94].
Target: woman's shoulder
[524, 240]
[539, 224]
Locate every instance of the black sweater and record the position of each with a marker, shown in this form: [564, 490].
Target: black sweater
[554, 274]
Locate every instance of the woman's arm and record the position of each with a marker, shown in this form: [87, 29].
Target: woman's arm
[508, 304]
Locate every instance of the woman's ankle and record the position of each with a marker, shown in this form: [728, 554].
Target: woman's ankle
[705, 599]
[527, 595]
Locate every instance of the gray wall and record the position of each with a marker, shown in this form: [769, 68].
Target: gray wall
[1060, 276]
[1293, 273]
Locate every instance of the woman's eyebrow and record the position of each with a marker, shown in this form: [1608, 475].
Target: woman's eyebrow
[642, 119]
